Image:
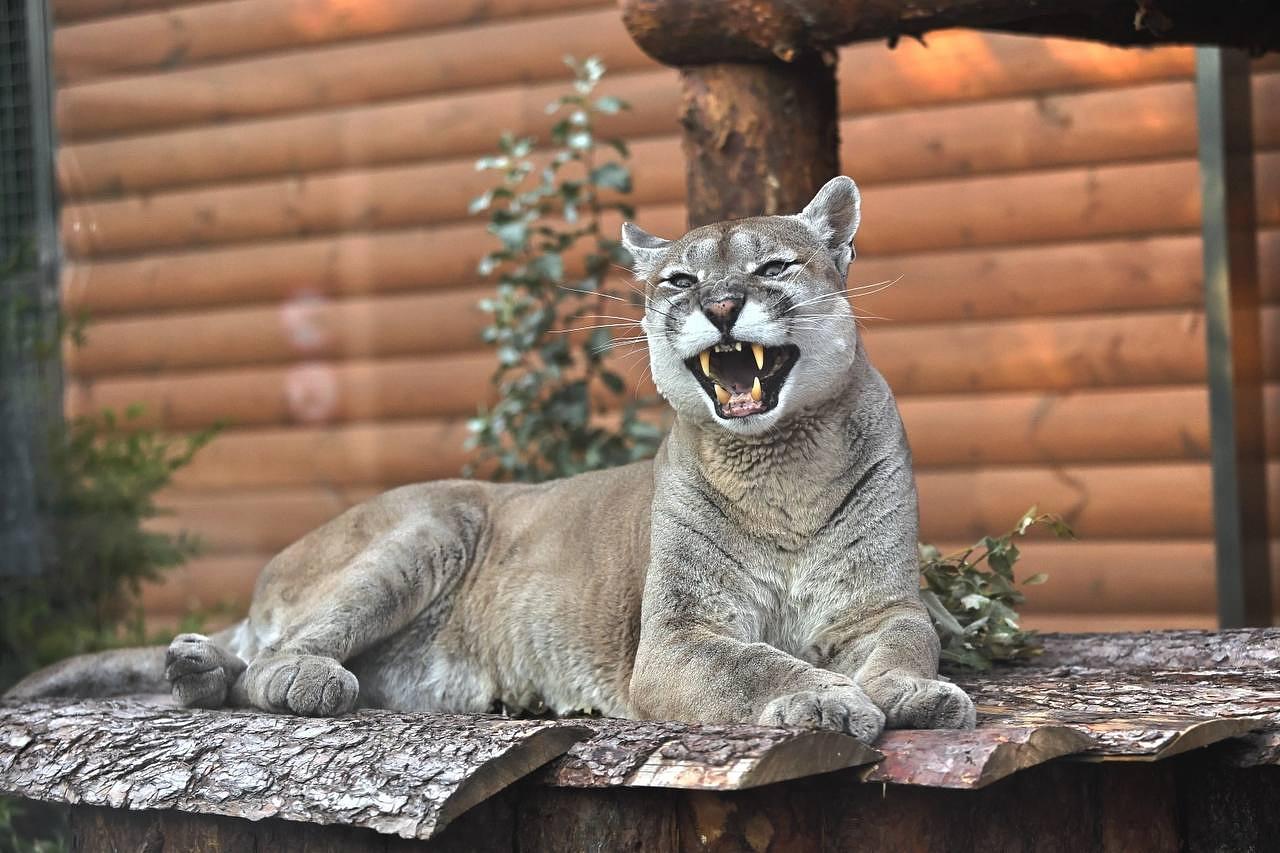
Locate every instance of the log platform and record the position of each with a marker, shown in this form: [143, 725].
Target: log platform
[1147, 741]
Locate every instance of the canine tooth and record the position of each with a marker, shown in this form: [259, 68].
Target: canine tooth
[758, 351]
[737, 346]
[705, 358]
[756, 391]
[722, 395]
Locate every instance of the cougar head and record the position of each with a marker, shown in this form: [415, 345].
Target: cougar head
[746, 320]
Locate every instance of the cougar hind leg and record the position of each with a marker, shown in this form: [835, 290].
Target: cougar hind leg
[349, 586]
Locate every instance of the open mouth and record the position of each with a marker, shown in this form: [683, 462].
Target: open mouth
[743, 378]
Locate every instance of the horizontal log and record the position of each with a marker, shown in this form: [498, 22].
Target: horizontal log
[384, 198]
[324, 77]
[1248, 651]
[1104, 201]
[399, 774]
[343, 265]
[217, 584]
[697, 33]
[874, 87]
[963, 430]
[307, 393]
[302, 329]
[1052, 129]
[189, 35]
[1150, 424]
[1105, 622]
[438, 127]
[980, 211]
[1115, 577]
[954, 142]
[1076, 427]
[694, 32]
[696, 757]
[392, 198]
[1248, 26]
[253, 522]
[987, 210]
[1061, 354]
[67, 11]
[1122, 274]
[354, 455]
[1156, 348]
[1126, 274]
[991, 66]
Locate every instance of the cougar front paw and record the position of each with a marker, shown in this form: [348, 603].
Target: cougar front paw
[307, 685]
[841, 709]
[200, 672]
[925, 703]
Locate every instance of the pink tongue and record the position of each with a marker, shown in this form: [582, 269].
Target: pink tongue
[741, 404]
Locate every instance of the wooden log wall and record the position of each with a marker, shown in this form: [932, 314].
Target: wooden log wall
[265, 217]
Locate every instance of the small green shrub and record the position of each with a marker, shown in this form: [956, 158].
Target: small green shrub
[971, 596]
[555, 391]
[104, 481]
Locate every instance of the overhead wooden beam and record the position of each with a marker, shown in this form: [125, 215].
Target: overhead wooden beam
[1233, 324]
[692, 32]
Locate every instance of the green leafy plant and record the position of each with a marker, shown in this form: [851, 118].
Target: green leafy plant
[104, 480]
[556, 392]
[971, 596]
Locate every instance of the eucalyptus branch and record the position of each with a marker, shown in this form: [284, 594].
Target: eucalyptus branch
[971, 595]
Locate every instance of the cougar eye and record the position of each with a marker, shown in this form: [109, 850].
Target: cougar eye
[773, 268]
[680, 279]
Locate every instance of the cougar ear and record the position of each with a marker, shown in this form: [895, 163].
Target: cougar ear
[646, 250]
[834, 215]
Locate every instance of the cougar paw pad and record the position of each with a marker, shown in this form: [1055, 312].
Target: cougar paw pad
[837, 709]
[312, 686]
[930, 704]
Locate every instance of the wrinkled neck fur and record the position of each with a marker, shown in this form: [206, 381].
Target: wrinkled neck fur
[782, 483]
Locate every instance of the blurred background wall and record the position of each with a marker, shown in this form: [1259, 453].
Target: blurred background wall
[265, 217]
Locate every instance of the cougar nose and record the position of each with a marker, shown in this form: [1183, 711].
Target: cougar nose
[723, 312]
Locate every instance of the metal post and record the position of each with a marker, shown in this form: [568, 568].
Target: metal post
[1233, 321]
[30, 370]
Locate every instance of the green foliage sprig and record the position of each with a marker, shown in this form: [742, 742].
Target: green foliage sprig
[547, 209]
[971, 596]
[105, 476]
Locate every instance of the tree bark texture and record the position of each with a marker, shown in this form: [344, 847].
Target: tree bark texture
[719, 758]
[1146, 695]
[1142, 697]
[696, 32]
[759, 139]
[1245, 648]
[399, 774]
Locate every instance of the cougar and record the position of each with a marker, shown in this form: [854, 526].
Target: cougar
[762, 568]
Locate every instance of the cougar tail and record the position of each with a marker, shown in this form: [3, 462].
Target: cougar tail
[118, 672]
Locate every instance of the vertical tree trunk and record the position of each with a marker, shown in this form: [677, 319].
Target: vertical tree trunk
[758, 138]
